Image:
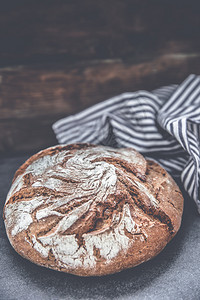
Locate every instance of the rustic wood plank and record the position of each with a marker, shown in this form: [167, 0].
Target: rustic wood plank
[33, 91]
[43, 31]
[26, 135]
[33, 97]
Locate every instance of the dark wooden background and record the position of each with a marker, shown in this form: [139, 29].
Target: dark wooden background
[59, 57]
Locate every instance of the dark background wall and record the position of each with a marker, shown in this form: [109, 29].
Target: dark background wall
[59, 57]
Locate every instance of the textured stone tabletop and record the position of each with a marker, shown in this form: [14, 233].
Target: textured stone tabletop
[173, 274]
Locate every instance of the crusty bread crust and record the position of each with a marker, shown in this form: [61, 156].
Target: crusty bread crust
[91, 210]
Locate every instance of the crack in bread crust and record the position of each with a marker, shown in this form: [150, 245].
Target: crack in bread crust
[83, 206]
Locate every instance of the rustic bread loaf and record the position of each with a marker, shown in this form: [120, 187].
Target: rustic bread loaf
[91, 210]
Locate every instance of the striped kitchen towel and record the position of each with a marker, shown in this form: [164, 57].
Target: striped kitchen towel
[163, 125]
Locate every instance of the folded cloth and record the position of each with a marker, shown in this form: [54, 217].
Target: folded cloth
[163, 125]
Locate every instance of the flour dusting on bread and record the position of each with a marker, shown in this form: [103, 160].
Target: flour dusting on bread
[82, 208]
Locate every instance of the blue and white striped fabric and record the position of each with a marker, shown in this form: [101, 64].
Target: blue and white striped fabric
[163, 125]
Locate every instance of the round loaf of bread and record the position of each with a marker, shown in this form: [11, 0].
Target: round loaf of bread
[91, 210]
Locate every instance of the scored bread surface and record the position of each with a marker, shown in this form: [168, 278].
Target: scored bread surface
[91, 210]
